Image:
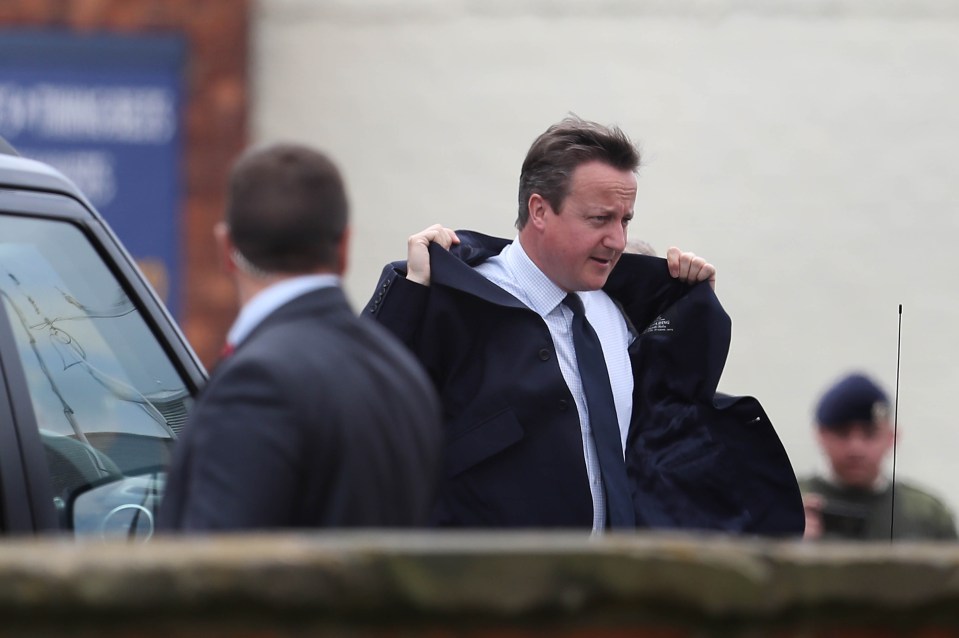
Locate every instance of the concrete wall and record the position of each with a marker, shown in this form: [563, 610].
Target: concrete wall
[515, 585]
[807, 148]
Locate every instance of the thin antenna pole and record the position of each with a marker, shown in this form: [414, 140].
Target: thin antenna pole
[895, 430]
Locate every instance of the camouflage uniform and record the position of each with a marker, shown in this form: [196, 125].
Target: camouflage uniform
[850, 513]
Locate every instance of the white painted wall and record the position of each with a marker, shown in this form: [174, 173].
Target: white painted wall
[809, 149]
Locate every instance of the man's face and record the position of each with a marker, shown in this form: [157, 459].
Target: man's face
[585, 238]
[856, 451]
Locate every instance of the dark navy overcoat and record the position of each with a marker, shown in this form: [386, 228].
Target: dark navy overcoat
[514, 448]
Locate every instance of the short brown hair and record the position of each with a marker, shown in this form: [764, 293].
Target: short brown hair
[287, 208]
[555, 154]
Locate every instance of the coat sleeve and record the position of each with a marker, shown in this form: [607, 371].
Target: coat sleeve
[398, 303]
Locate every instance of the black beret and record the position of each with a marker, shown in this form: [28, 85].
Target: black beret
[854, 398]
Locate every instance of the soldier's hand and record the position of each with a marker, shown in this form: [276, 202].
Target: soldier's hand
[812, 506]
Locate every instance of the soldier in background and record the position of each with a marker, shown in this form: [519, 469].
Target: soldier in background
[855, 501]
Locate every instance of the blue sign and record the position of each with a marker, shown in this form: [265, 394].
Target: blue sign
[105, 111]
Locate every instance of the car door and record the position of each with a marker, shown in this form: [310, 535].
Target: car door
[97, 380]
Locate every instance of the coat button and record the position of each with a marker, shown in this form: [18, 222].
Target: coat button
[544, 354]
[563, 405]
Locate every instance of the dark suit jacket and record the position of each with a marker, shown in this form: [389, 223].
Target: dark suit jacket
[319, 419]
[514, 455]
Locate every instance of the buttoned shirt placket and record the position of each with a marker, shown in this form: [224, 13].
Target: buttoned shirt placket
[513, 271]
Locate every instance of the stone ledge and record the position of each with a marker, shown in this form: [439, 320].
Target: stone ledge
[537, 581]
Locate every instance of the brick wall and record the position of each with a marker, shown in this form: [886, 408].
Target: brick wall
[214, 121]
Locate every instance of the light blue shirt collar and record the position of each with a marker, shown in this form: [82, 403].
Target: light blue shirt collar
[542, 294]
[272, 297]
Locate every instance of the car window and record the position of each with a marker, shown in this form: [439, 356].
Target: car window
[108, 401]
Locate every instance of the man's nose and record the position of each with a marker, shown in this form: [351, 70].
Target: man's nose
[616, 238]
[856, 444]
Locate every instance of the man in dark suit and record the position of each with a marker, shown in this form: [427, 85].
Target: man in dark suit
[500, 328]
[317, 418]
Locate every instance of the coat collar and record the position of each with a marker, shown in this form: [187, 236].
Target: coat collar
[454, 268]
[315, 302]
[640, 283]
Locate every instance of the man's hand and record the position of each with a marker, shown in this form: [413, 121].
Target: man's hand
[417, 251]
[812, 506]
[689, 268]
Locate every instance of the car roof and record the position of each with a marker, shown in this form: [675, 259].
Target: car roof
[21, 172]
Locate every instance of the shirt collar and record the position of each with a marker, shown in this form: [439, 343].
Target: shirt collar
[272, 297]
[542, 294]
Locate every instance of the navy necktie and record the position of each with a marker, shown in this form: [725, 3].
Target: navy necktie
[602, 417]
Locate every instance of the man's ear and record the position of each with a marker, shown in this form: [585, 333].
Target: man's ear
[224, 247]
[538, 208]
[819, 435]
[343, 252]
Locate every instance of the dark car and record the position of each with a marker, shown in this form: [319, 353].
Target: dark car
[97, 379]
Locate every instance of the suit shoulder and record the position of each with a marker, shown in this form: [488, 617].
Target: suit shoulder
[386, 342]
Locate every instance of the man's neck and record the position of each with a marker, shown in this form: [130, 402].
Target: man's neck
[248, 286]
[878, 485]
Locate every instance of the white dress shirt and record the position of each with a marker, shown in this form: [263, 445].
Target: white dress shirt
[516, 273]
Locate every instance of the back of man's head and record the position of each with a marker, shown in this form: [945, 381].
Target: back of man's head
[555, 154]
[287, 209]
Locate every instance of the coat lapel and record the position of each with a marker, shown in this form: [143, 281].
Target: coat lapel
[454, 268]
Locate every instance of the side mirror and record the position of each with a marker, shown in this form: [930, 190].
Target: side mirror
[119, 509]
